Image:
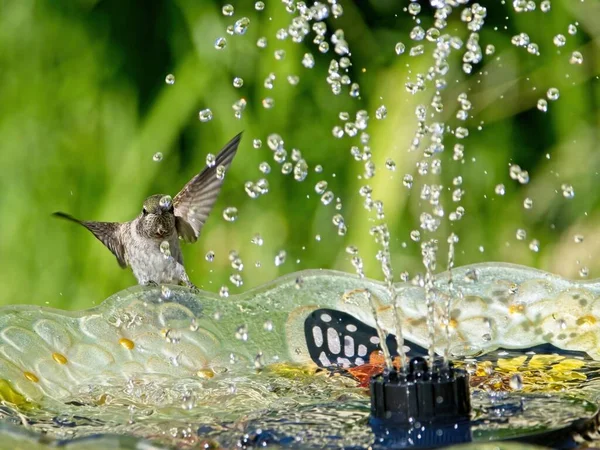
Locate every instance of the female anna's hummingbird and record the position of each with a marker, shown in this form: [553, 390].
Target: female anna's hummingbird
[149, 243]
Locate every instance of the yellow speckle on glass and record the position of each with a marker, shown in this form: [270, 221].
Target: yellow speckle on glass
[452, 323]
[127, 343]
[206, 373]
[9, 395]
[514, 309]
[31, 377]
[586, 320]
[61, 359]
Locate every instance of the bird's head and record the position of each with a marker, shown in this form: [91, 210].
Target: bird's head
[157, 219]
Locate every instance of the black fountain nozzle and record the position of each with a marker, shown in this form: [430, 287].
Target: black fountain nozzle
[420, 394]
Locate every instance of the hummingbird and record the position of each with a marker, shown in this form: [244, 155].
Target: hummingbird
[149, 244]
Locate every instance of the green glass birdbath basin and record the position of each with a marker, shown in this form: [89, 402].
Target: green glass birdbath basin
[168, 366]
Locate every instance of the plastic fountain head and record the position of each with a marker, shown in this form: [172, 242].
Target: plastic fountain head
[421, 406]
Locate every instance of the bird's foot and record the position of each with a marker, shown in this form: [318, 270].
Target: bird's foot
[191, 286]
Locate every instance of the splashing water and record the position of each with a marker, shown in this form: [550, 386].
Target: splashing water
[211, 357]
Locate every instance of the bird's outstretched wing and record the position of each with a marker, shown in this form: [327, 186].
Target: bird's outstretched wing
[105, 232]
[195, 201]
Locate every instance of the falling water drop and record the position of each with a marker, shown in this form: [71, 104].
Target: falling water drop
[205, 115]
[227, 10]
[567, 191]
[230, 214]
[170, 79]
[220, 43]
[553, 94]
[241, 26]
[576, 58]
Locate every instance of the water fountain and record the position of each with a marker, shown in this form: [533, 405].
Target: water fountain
[278, 364]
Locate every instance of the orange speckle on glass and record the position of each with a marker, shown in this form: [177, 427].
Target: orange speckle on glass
[31, 377]
[127, 343]
[61, 359]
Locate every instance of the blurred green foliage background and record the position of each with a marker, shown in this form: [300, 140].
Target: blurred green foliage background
[84, 107]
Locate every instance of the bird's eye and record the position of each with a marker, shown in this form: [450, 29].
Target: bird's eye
[144, 211]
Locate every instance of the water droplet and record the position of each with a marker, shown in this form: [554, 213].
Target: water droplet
[521, 234]
[268, 326]
[236, 279]
[293, 79]
[381, 113]
[567, 191]
[545, 6]
[415, 235]
[308, 61]
[572, 29]
[417, 50]
[553, 94]
[241, 333]
[264, 167]
[257, 143]
[584, 272]
[170, 79]
[165, 249]
[534, 245]
[241, 26]
[516, 382]
[230, 214]
[500, 189]
[257, 240]
[224, 292]
[321, 187]
[327, 198]
[268, 102]
[165, 201]
[390, 164]
[238, 82]
[407, 181]
[280, 257]
[399, 48]
[578, 238]
[279, 54]
[227, 10]
[261, 42]
[542, 104]
[220, 43]
[576, 58]
[528, 203]
[210, 256]
[490, 49]
[259, 6]
[205, 115]
[158, 156]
